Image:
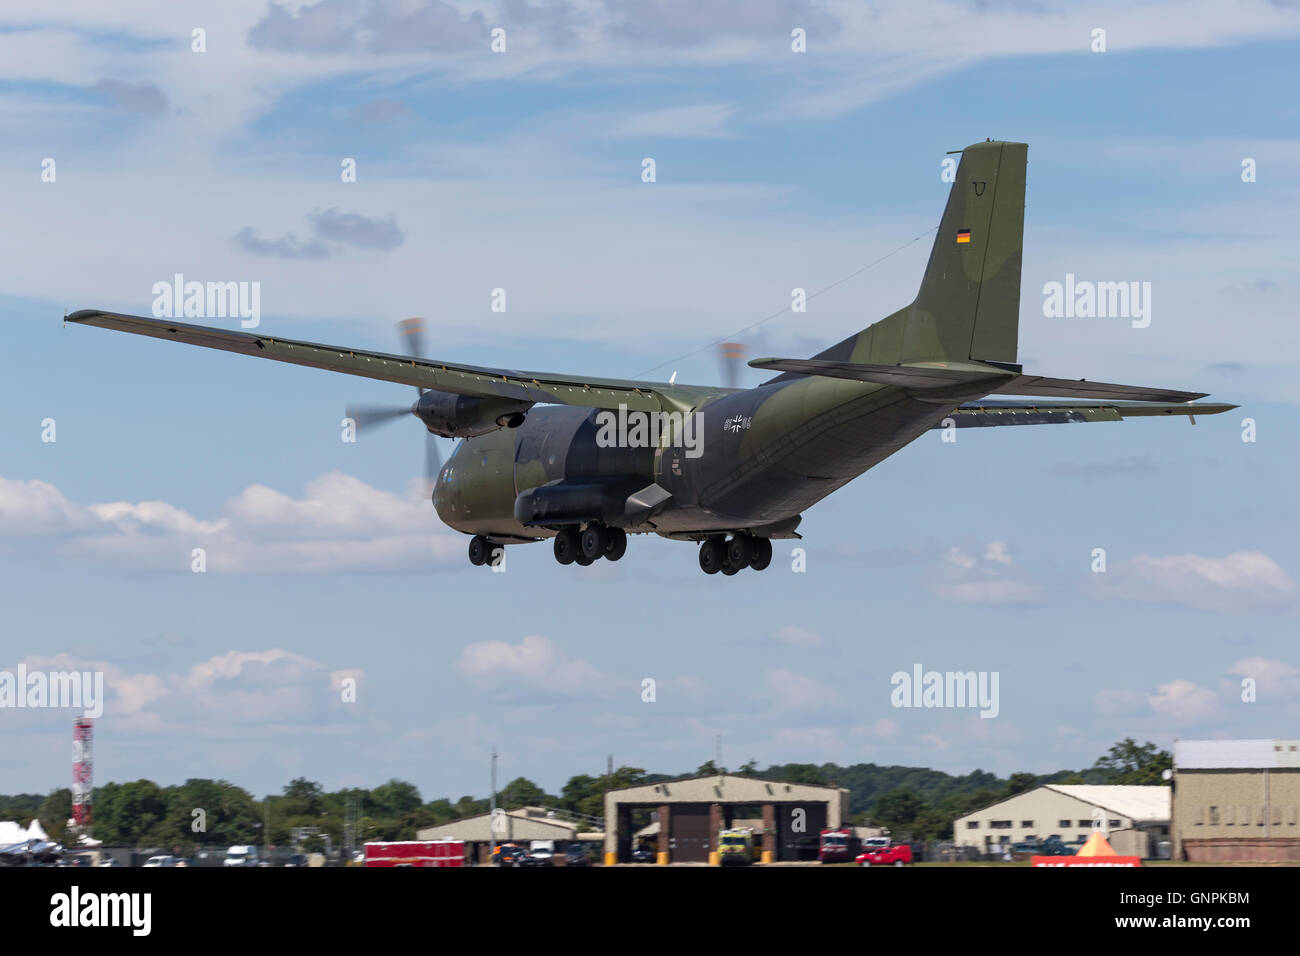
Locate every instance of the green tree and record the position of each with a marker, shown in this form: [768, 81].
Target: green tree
[1128, 762]
[898, 809]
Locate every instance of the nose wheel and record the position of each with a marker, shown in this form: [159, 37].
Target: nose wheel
[482, 551]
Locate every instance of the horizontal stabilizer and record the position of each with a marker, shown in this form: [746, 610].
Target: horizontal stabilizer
[1069, 388]
[987, 414]
[1000, 380]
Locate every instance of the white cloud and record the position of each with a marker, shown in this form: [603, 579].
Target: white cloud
[535, 663]
[220, 696]
[340, 523]
[1274, 680]
[1183, 702]
[1243, 581]
[991, 578]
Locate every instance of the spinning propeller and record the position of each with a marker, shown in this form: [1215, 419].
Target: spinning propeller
[372, 416]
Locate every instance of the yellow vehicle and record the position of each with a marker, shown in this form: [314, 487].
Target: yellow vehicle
[737, 847]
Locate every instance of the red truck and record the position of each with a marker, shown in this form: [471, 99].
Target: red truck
[878, 851]
[838, 845]
[416, 853]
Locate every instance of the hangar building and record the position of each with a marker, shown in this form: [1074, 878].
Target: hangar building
[1236, 800]
[515, 826]
[1135, 819]
[690, 812]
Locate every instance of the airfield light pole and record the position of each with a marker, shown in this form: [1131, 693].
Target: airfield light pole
[492, 810]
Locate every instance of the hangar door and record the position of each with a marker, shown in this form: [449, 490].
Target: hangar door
[688, 835]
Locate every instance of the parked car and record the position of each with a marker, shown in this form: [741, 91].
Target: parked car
[509, 854]
[241, 855]
[575, 854]
[156, 861]
[1053, 846]
[893, 854]
[643, 854]
[540, 853]
[296, 859]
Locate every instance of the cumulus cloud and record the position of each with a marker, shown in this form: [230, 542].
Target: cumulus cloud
[1184, 702]
[535, 664]
[339, 523]
[222, 695]
[990, 578]
[1241, 581]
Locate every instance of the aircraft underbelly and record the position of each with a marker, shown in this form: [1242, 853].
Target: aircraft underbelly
[806, 464]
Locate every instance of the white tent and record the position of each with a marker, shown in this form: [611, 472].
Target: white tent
[13, 833]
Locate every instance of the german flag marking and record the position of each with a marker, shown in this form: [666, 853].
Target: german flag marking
[963, 235]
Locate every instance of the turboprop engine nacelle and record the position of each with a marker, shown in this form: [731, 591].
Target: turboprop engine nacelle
[464, 416]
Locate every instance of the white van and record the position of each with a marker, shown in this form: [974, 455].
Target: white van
[241, 856]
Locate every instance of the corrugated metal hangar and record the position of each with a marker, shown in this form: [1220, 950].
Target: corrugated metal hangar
[692, 810]
[1237, 801]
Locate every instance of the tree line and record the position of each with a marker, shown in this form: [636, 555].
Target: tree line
[214, 814]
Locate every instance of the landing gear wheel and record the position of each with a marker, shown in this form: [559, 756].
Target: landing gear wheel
[711, 555]
[739, 551]
[617, 546]
[567, 547]
[496, 556]
[478, 550]
[729, 569]
[583, 561]
[595, 541]
[762, 554]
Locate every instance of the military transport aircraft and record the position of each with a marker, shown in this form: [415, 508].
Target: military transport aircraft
[587, 460]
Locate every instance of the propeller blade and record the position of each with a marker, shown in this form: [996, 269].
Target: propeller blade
[730, 355]
[368, 416]
[412, 331]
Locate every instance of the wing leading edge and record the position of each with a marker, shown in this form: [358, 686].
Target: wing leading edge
[538, 387]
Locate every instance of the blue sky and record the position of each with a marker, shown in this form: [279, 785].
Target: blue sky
[522, 171]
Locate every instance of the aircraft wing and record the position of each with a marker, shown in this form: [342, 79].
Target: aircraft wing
[984, 414]
[539, 387]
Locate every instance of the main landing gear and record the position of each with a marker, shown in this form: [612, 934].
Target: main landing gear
[594, 542]
[742, 551]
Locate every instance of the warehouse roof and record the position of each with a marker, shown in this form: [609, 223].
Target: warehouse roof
[723, 787]
[526, 823]
[1236, 754]
[1139, 803]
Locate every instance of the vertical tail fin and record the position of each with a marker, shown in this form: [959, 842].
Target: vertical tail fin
[969, 303]
[968, 307]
